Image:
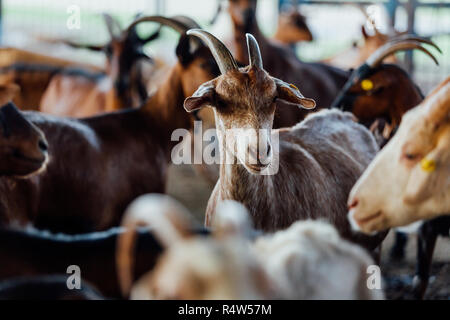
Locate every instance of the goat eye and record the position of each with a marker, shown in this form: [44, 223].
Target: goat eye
[411, 156]
[275, 99]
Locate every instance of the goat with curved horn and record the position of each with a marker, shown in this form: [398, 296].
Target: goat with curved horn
[391, 48]
[246, 98]
[254, 53]
[374, 61]
[221, 54]
[379, 94]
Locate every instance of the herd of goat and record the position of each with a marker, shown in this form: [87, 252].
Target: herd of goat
[85, 153]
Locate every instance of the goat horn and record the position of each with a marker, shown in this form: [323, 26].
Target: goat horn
[174, 23]
[112, 23]
[188, 22]
[222, 55]
[390, 48]
[411, 37]
[254, 54]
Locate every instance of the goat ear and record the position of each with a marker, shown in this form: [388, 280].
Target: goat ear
[291, 95]
[204, 96]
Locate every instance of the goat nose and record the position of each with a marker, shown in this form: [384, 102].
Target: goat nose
[43, 145]
[353, 204]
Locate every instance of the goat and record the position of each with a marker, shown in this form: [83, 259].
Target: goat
[123, 85]
[23, 147]
[95, 153]
[204, 260]
[94, 253]
[292, 28]
[292, 257]
[235, 263]
[418, 161]
[383, 91]
[324, 82]
[46, 288]
[418, 191]
[380, 94]
[32, 72]
[357, 54]
[314, 165]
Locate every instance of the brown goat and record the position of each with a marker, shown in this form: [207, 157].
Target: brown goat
[382, 91]
[318, 160]
[123, 85]
[23, 147]
[94, 253]
[292, 28]
[358, 53]
[99, 165]
[324, 82]
[32, 72]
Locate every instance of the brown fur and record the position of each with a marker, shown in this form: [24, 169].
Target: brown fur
[393, 95]
[22, 145]
[358, 54]
[93, 253]
[123, 85]
[292, 28]
[99, 165]
[320, 159]
[32, 72]
[318, 81]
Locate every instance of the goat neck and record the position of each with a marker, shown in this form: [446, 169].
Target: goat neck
[165, 106]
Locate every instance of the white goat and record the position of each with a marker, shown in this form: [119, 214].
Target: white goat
[409, 180]
[307, 261]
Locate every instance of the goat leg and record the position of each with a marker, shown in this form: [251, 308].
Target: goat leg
[397, 252]
[426, 243]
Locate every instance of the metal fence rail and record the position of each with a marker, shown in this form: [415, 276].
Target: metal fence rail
[335, 25]
[425, 18]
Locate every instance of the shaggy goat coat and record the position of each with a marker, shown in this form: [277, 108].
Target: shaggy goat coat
[320, 160]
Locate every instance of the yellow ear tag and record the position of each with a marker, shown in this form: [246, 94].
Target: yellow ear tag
[293, 86]
[367, 85]
[428, 165]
